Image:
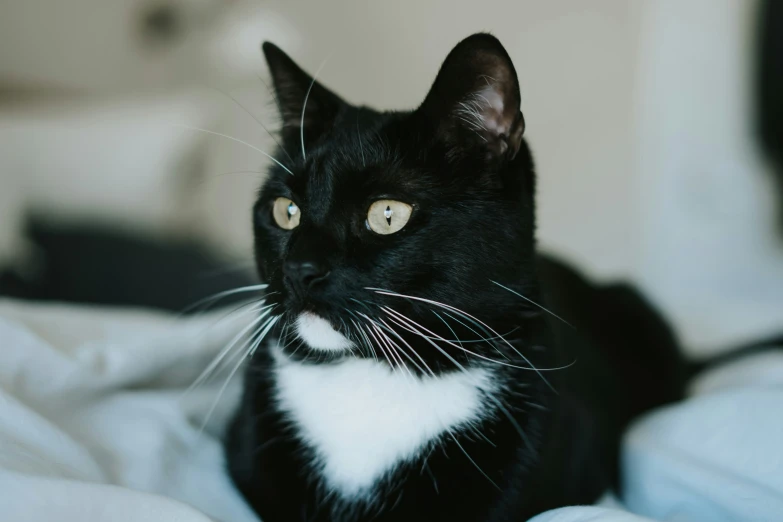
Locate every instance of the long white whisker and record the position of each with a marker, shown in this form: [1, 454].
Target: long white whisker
[266, 310]
[488, 340]
[392, 353]
[383, 351]
[287, 334]
[250, 351]
[451, 434]
[442, 305]
[304, 106]
[385, 338]
[237, 140]
[441, 350]
[221, 295]
[456, 339]
[449, 327]
[481, 338]
[361, 146]
[258, 120]
[414, 352]
[263, 334]
[366, 339]
[513, 421]
[387, 310]
[481, 434]
[245, 308]
[531, 302]
[396, 346]
[414, 330]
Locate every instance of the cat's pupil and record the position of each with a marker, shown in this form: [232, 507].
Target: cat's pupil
[388, 214]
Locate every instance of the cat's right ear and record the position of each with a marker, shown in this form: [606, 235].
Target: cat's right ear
[307, 108]
[474, 104]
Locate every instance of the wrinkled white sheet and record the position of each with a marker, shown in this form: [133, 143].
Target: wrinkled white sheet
[94, 428]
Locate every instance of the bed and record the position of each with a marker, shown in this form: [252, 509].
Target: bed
[97, 424]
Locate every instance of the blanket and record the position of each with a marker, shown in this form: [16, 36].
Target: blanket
[98, 423]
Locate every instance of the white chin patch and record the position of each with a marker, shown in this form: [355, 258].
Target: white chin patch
[318, 334]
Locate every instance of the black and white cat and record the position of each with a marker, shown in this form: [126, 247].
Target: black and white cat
[422, 367]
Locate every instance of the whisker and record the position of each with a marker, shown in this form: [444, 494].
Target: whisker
[451, 434]
[492, 338]
[513, 421]
[363, 337]
[449, 327]
[249, 352]
[267, 328]
[414, 352]
[285, 334]
[358, 134]
[398, 347]
[460, 312]
[265, 311]
[400, 317]
[532, 302]
[236, 312]
[383, 351]
[234, 139]
[221, 295]
[443, 352]
[385, 338]
[258, 120]
[304, 106]
[456, 339]
[489, 340]
[396, 356]
[484, 437]
[389, 340]
[386, 309]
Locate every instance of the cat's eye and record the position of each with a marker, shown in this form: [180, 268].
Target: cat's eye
[387, 216]
[286, 213]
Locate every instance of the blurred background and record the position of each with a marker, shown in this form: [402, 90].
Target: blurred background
[646, 119]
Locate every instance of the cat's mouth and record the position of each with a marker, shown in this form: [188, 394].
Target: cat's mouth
[319, 334]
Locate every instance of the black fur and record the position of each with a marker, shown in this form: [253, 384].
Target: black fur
[769, 89]
[472, 188]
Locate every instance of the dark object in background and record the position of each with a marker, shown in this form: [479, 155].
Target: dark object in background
[94, 266]
[162, 23]
[769, 89]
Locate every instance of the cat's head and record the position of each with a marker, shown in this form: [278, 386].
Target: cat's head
[384, 229]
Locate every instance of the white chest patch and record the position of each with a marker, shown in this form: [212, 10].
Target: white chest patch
[361, 419]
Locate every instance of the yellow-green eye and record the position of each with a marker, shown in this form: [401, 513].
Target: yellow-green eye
[286, 214]
[387, 216]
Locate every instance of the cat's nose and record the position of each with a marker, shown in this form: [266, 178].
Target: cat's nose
[303, 275]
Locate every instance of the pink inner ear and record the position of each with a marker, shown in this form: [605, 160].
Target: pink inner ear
[484, 112]
[487, 113]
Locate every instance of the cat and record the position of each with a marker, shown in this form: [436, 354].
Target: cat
[769, 89]
[426, 362]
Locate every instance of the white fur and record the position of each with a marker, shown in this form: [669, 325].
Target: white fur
[361, 419]
[319, 334]
[482, 111]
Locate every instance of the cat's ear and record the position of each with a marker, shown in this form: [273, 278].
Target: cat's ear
[302, 101]
[474, 102]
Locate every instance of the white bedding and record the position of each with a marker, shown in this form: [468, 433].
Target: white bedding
[94, 428]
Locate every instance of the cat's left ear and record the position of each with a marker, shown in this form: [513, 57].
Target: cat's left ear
[302, 101]
[474, 103]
